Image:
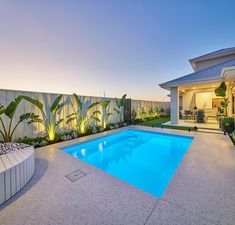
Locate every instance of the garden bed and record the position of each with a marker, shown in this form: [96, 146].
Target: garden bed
[65, 136]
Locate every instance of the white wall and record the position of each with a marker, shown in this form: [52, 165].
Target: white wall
[201, 99]
[204, 100]
[211, 62]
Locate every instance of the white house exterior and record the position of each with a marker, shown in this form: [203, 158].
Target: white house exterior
[197, 89]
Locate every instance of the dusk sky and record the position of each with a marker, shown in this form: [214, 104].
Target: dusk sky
[122, 46]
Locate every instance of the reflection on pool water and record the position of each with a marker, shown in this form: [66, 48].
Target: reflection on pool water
[147, 160]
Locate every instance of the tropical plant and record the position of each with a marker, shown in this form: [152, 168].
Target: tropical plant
[49, 119]
[228, 124]
[120, 107]
[133, 115]
[162, 111]
[80, 115]
[156, 111]
[221, 92]
[105, 112]
[8, 128]
[151, 112]
[142, 113]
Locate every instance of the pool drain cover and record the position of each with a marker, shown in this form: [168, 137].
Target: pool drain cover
[75, 175]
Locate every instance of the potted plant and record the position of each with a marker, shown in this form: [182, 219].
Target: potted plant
[221, 92]
[228, 125]
[222, 111]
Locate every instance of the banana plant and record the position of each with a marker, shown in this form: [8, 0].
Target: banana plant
[133, 115]
[105, 112]
[151, 112]
[48, 118]
[120, 107]
[221, 92]
[142, 113]
[157, 111]
[7, 131]
[80, 116]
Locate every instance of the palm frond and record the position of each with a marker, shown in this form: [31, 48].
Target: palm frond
[54, 106]
[78, 101]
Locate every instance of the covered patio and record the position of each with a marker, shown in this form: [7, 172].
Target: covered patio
[193, 98]
[196, 104]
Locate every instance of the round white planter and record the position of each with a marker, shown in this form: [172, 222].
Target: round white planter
[16, 169]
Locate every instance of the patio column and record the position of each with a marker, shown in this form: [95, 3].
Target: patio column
[174, 105]
[230, 105]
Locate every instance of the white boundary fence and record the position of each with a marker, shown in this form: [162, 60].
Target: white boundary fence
[143, 105]
[34, 130]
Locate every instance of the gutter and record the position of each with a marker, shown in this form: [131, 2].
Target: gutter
[167, 87]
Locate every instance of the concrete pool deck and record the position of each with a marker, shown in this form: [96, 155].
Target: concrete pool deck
[202, 191]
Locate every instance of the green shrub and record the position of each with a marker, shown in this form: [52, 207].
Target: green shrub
[48, 119]
[228, 124]
[105, 112]
[80, 115]
[120, 107]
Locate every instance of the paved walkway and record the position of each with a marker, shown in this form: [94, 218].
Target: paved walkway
[202, 192]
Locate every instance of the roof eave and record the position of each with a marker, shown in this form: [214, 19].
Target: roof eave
[192, 62]
[167, 87]
[210, 56]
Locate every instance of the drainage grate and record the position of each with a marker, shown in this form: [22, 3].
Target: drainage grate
[75, 175]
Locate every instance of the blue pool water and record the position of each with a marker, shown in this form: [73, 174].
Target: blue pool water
[146, 160]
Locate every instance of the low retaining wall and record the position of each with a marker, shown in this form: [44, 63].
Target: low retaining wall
[16, 169]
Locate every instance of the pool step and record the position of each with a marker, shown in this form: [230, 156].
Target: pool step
[211, 131]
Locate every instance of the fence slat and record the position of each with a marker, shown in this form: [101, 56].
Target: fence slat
[6, 96]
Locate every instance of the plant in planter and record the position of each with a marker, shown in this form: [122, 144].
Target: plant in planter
[221, 92]
[120, 107]
[36, 142]
[105, 112]
[228, 125]
[8, 129]
[49, 117]
[80, 115]
[222, 111]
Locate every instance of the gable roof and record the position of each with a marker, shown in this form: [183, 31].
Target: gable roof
[219, 53]
[210, 74]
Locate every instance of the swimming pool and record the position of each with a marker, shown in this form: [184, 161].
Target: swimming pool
[146, 160]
